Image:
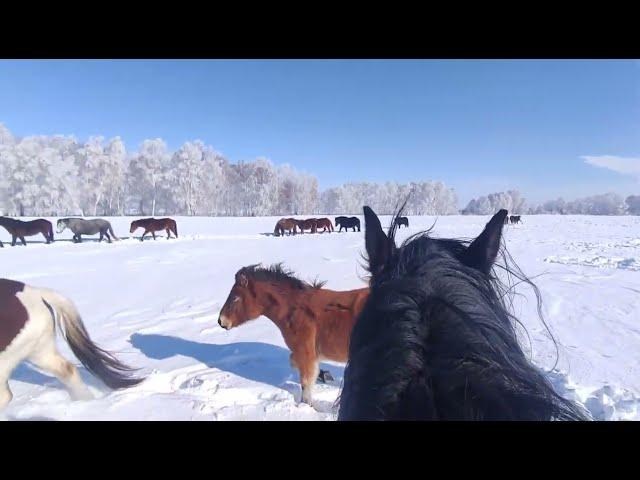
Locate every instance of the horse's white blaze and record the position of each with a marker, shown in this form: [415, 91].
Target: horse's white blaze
[36, 343]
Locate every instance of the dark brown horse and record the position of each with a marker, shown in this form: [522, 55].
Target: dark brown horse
[316, 323]
[288, 224]
[402, 221]
[307, 224]
[20, 229]
[325, 224]
[154, 225]
[29, 318]
[348, 222]
[515, 219]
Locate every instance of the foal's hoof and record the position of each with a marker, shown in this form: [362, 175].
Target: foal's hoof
[325, 376]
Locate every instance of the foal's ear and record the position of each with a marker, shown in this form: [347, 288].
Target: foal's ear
[378, 245]
[242, 280]
[483, 250]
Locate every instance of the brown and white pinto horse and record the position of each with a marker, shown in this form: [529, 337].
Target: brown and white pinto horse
[154, 225]
[316, 323]
[325, 224]
[28, 320]
[19, 229]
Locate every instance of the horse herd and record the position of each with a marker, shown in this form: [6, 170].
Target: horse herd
[431, 337]
[290, 225]
[18, 229]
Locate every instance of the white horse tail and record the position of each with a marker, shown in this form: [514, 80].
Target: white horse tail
[100, 362]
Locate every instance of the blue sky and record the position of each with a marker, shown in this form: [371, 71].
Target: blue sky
[479, 126]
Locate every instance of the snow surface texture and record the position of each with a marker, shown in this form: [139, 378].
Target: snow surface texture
[156, 305]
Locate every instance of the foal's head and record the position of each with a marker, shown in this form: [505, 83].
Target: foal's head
[134, 226]
[257, 288]
[436, 340]
[242, 304]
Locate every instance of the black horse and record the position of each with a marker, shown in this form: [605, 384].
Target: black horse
[515, 219]
[348, 222]
[436, 341]
[402, 221]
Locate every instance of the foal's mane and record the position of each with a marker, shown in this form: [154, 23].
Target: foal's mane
[278, 273]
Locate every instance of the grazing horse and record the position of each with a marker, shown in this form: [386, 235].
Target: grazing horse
[307, 224]
[435, 339]
[348, 222]
[20, 229]
[325, 224]
[288, 224]
[515, 219]
[29, 317]
[316, 323]
[80, 226]
[154, 225]
[402, 221]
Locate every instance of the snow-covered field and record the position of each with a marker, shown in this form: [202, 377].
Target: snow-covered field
[156, 304]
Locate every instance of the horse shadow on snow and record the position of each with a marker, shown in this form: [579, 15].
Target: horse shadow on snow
[256, 361]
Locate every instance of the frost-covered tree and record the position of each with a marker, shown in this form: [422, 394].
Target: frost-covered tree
[633, 204]
[605, 204]
[511, 201]
[147, 173]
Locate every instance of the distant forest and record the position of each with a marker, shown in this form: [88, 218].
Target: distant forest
[58, 175]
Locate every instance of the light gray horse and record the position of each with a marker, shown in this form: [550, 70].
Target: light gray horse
[80, 226]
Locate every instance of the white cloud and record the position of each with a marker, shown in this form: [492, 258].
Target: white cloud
[623, 165]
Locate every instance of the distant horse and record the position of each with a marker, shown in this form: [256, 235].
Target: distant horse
[515, 219]
[506, 220]
[348, 222]
[19, 229]
[325, 224]
[307, 224]
[402, 221]
[80, 226]
[435, 339]
[316, 323]
[288, 224]
[28, 320]
[154, 225]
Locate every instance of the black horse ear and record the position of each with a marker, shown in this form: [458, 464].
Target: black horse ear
[482, 252]
[378, 245]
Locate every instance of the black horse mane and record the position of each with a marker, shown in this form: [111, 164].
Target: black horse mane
[278, 273]
[437, 340]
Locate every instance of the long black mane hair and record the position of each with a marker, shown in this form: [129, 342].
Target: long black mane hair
[436, 339]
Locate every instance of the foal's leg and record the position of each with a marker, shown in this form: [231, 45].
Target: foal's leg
[142, 237]
[168, 234]
[154, 234]
[49, 360]
[306, 361]
[106, 234]
[24, 242]
[101, 237]
[46, 237]
[13, 240]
